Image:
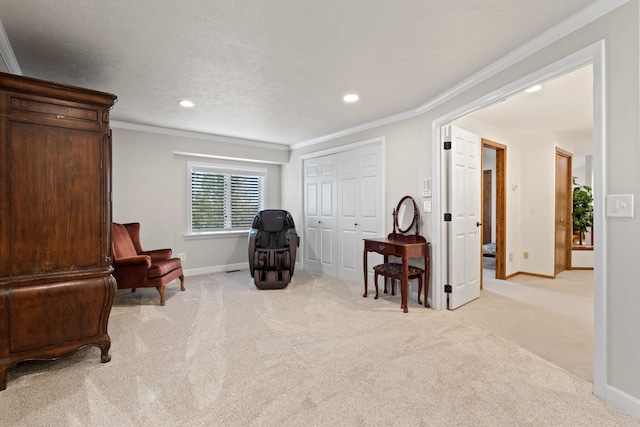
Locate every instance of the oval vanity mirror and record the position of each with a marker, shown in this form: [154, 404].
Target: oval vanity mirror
[406, 214]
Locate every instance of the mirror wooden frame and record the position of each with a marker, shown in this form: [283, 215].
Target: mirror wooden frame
[396, 214]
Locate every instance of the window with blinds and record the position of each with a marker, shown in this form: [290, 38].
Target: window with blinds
[224, 199]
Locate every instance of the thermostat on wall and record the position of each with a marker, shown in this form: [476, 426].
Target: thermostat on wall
[426, 187]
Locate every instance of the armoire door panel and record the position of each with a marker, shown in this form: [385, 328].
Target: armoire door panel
[54, 175]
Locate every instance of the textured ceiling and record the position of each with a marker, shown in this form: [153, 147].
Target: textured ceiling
[272, 71]
[563, 106]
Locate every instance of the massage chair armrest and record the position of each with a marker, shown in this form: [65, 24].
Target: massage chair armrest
[294, 242]
[253, 232]
[292, 236]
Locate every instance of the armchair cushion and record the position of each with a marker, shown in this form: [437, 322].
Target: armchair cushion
[135, 268]
[122, 243]
[161, 268]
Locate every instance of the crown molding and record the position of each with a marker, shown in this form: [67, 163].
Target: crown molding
[576, 21]
[349, 131]
[197, 135]
[232, 158]
[6, 52]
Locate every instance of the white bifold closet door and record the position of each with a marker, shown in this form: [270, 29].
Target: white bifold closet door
[344, 203]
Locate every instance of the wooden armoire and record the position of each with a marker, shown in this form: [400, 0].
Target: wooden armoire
[56, 287]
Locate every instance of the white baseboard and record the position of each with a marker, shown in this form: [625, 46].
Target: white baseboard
[216, 269]
[623, 400]
[222, 269]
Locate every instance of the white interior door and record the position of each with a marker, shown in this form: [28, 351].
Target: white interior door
[361, 207]
[464, 205]
[320, 215]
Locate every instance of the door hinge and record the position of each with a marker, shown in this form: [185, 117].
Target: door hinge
[447, 145]
[447, 289]
[447, 217]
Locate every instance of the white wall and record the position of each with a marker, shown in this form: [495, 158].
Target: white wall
[150, 186]
[409, 148]
[537, 204]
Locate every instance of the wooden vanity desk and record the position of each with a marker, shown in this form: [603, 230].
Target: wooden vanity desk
[406, 247]
[405, 217]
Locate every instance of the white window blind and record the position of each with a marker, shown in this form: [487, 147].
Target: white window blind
[223, 198]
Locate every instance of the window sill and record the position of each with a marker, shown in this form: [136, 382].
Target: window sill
[216, 234]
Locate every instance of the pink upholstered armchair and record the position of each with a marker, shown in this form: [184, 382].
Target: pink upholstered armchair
[135, 268]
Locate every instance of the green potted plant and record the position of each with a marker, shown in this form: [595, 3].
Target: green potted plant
[582, 208]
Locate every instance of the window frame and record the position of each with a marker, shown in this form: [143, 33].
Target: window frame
[227, 171]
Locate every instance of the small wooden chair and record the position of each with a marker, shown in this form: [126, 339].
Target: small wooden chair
[393, 271]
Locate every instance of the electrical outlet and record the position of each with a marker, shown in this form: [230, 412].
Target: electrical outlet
[510, 256]
[525, 255]
[182, 256]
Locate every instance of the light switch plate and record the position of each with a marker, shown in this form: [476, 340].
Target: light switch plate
[620, 205]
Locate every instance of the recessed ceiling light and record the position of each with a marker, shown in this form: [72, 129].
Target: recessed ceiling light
[533, 89]
[352, 97]
[187, 103]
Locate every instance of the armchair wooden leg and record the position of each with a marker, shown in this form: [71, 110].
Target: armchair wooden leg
[182, 282]
[133, 289]
[161, 291]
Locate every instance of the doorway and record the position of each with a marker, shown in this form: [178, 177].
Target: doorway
[494, 214]
[594, 55]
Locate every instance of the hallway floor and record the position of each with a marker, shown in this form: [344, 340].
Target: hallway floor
[552, 318]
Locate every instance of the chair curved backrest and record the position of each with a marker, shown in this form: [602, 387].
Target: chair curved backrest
[273, 243]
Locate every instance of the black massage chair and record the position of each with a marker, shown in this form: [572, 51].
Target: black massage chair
[273, 243]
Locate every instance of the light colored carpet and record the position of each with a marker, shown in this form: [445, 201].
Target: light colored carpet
[224, 353]
[552, 318]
